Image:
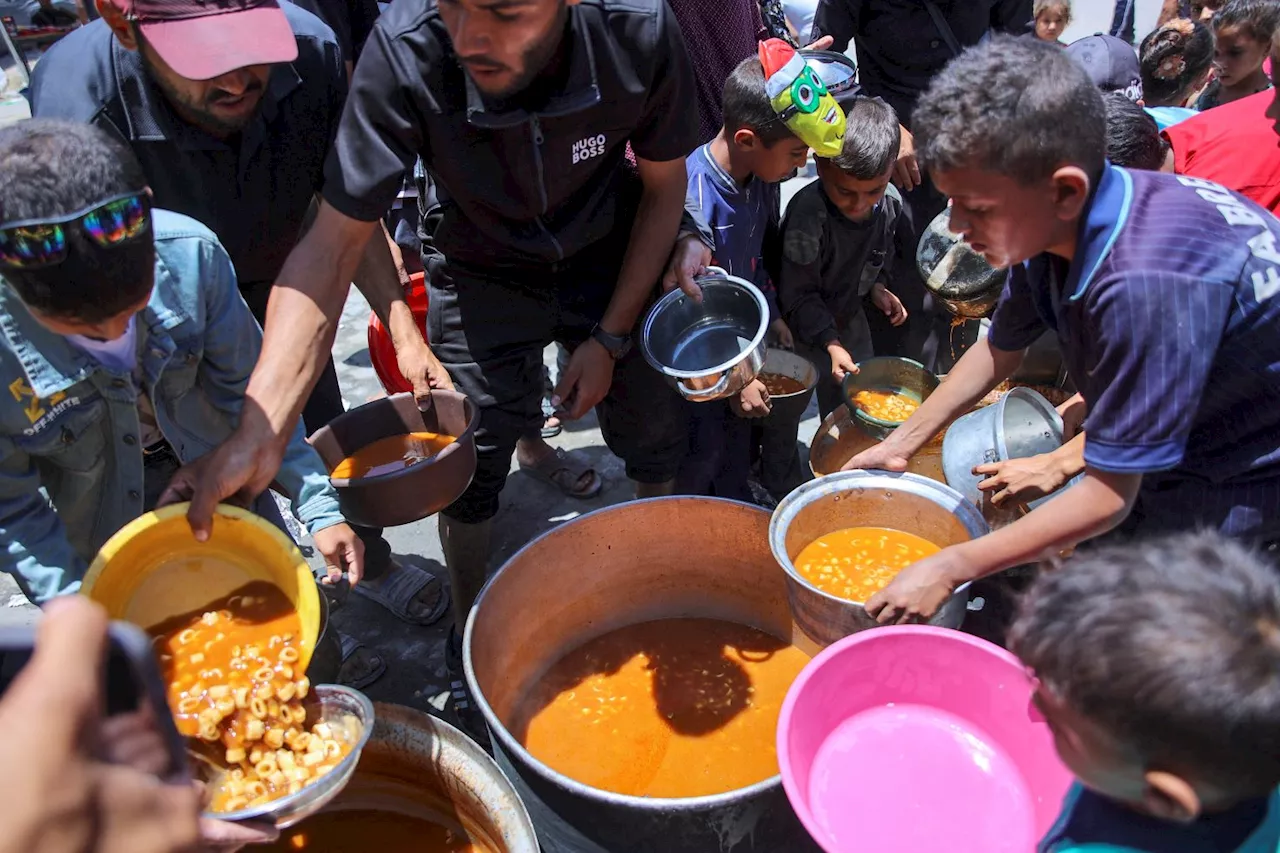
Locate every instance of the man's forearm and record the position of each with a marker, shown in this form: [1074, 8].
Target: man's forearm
[382, 279]
[1090, 508]
[302, 316]
[1070, 457]
[978, 371]
[652, 237]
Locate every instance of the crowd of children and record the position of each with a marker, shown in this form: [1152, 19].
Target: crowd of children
[1156, 652]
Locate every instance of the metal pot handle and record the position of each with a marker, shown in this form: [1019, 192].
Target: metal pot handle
[713, 272]
[714, 390]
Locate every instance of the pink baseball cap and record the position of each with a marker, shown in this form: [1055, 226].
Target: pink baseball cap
[203, 39]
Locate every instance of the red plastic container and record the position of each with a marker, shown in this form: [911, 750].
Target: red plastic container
[381, 351]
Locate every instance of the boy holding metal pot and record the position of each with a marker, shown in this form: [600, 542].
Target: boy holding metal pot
[1162, 290]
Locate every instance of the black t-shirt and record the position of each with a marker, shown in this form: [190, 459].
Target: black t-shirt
[350, 20]
[900, 47]
[531, 183]
[253, 193]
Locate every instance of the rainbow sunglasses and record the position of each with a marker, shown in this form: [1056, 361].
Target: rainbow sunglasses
[35, 243]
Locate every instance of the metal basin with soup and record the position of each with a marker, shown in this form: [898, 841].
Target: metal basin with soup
[653, 573]
[906, 502]
[421, 786]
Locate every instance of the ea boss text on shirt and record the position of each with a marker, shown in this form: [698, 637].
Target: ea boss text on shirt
[1262, 245]
[585, 149]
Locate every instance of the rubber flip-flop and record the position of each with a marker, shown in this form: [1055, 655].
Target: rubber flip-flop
[377, 666]
[563, 471]
[398, 587]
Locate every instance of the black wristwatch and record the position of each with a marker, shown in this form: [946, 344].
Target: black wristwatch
[616, 345]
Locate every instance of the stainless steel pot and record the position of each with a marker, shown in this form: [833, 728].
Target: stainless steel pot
[1023, 423]
[420, 766]
[712, 349]
[642, 560]
[905, 502]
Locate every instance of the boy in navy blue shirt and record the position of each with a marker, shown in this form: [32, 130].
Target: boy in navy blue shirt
[733, 181]
[1162, 290]
[1155, 666]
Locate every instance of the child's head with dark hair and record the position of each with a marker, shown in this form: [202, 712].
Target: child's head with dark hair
[50, 170]
[754, 131]
[1051, 17]
[1014, 131]
[1158, 670]
[1176, 61]
[1244, 29]
[1133, 138]
[857, 179]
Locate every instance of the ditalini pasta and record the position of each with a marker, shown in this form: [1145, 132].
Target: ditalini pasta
[236, 689]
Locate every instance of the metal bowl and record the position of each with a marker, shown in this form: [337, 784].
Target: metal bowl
[339, 706]
[712, 349]
[790, 407]
[886, 373]
[409, 494]
[906, 502]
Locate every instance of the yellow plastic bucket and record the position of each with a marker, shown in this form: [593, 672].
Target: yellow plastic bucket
[153, 568]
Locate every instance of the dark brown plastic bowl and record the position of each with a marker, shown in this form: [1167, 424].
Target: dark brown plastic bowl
[412, 493]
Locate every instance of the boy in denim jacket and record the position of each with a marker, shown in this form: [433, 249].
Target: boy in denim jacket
[125, 349]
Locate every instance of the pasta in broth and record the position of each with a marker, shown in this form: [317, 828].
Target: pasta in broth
[236, 689]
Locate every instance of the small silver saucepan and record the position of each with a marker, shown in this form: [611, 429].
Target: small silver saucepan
[712, 349]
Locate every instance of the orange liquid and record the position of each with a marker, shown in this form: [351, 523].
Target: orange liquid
[366, 831]
[249, 617]
[778, 385]
[857, 562]
[669, 708]
[886, 405]
[391, 454]
[236, 686]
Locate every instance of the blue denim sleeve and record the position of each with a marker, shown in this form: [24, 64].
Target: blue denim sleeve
[36, 549]
[232, 343]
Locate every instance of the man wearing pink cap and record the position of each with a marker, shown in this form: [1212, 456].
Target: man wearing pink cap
[231, 108]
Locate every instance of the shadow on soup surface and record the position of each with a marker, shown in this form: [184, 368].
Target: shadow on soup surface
[668, 708]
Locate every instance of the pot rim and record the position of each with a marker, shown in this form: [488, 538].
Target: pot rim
[499, 732]
[458, 441]
[676, 295]
[808, 387]
[806, 494]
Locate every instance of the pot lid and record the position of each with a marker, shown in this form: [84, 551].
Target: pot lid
[950, 268]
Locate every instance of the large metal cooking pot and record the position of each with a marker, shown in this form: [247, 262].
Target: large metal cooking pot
[712, 349]
[956, 275]
[643, 560]
[420, 766]
[1023, 423]
[905, 502]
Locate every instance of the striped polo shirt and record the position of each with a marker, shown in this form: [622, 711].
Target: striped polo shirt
[1169, 322]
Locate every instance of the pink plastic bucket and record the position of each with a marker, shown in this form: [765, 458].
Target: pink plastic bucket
[918, 739]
